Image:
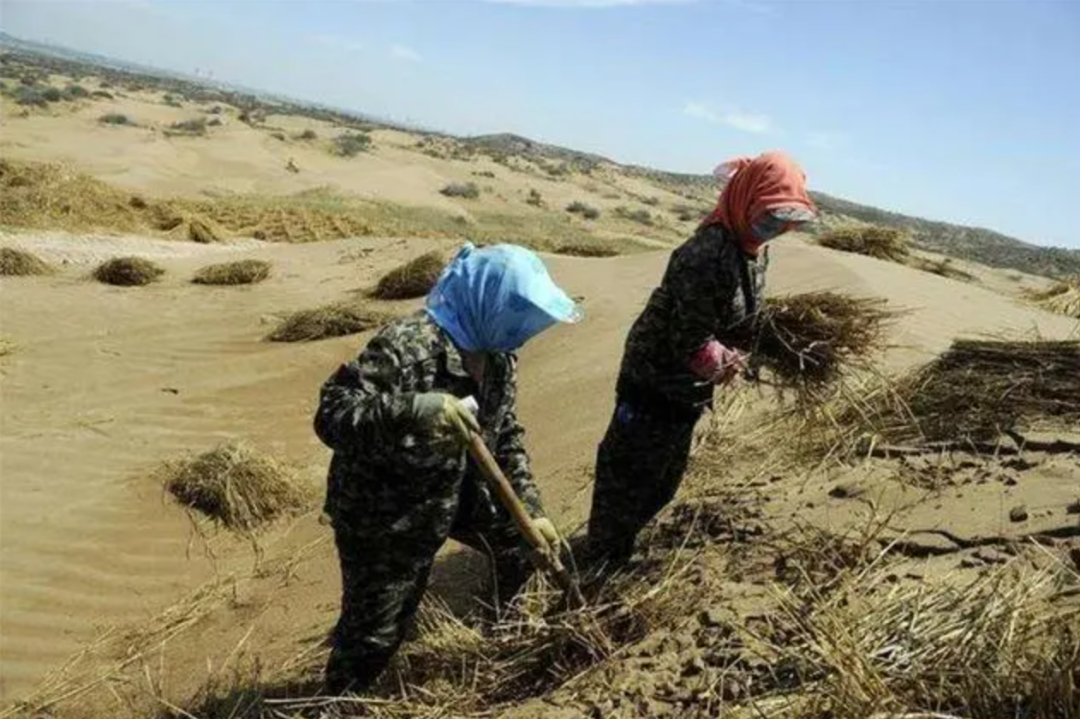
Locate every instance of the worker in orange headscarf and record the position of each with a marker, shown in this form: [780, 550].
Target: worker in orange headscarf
[676, 354]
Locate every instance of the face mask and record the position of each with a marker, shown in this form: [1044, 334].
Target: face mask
[773, 223]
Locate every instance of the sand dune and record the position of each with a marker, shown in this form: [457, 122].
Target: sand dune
[108, 382]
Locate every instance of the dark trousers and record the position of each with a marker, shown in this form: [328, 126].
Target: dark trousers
[639, 466]
[384, 576]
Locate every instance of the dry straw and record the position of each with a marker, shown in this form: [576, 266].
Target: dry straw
[885, 243]
[336, 320]
[1063, 297]
[20, 263]
[236, 486]
[241, 272]
[975, 392]
[128, 271]
[998, 646]
[808, 340]
[413, 279]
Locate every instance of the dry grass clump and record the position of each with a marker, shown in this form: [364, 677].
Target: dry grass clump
[980, 388]
[336, 320]
[413, 279]
[128, 271]
[943, 268]
[586, 249]
[807, 341]
[996, 647]
[7, 346]
[241, 272]
[1063, 297]
[975, 392]
[885, 243]
[20, 263]
[236, 486]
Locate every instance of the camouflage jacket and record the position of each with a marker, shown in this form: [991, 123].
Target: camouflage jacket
[382, 474]
[710, 286]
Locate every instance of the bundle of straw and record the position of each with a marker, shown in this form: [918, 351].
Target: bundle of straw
[413, 279]
[235, 485]
[20, 263]
[979, 389]
[884, 243]
[975, 392]
[1063, 297]
[336, 320]
[808, 340]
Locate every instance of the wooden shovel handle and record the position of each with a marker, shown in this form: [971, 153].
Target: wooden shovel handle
[546, 557]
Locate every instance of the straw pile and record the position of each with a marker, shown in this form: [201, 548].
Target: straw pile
[460, 669]
[413, 279]
[587, 249]
[808, 340]
[236, 486]
[1063, 297]
[994, 648]
[20, 263]
[335, 320]
[885, 243]
[51, 196]
[128, 271]
[242, 272]
[975, 392]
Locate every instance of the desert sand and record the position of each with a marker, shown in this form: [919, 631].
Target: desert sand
[108, 382]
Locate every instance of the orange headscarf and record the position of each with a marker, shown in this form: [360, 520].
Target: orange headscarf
[767, 182]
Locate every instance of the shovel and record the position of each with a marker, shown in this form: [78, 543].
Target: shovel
[544, 556]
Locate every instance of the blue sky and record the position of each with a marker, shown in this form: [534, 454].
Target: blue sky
[960, 110]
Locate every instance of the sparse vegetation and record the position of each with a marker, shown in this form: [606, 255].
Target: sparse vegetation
[413, 279]
[115, 118]
[308, 135]
[688, 213]
[884, 243]
[278, 136]
[192, 128]
[75, 92]
[351, 144]
[241, 272]
[20, 263]
[640, 215]
[580, 208]
[465, 190]
[587, 249]
[336, 320]
[235, 485]
[128, 272]
[534, 198]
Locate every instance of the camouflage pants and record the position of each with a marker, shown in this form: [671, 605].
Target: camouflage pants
[384, 576]
[639, 466]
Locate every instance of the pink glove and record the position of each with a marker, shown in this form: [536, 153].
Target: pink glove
[716, 363]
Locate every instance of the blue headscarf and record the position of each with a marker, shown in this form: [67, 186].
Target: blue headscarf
[496, 298]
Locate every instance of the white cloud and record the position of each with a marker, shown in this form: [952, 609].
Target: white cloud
[338, 43]
[406, 53]
[756, 123]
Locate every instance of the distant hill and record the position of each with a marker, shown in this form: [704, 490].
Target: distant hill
[970, 243]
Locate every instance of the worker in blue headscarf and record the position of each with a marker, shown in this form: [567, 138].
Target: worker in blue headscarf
[399, 481]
